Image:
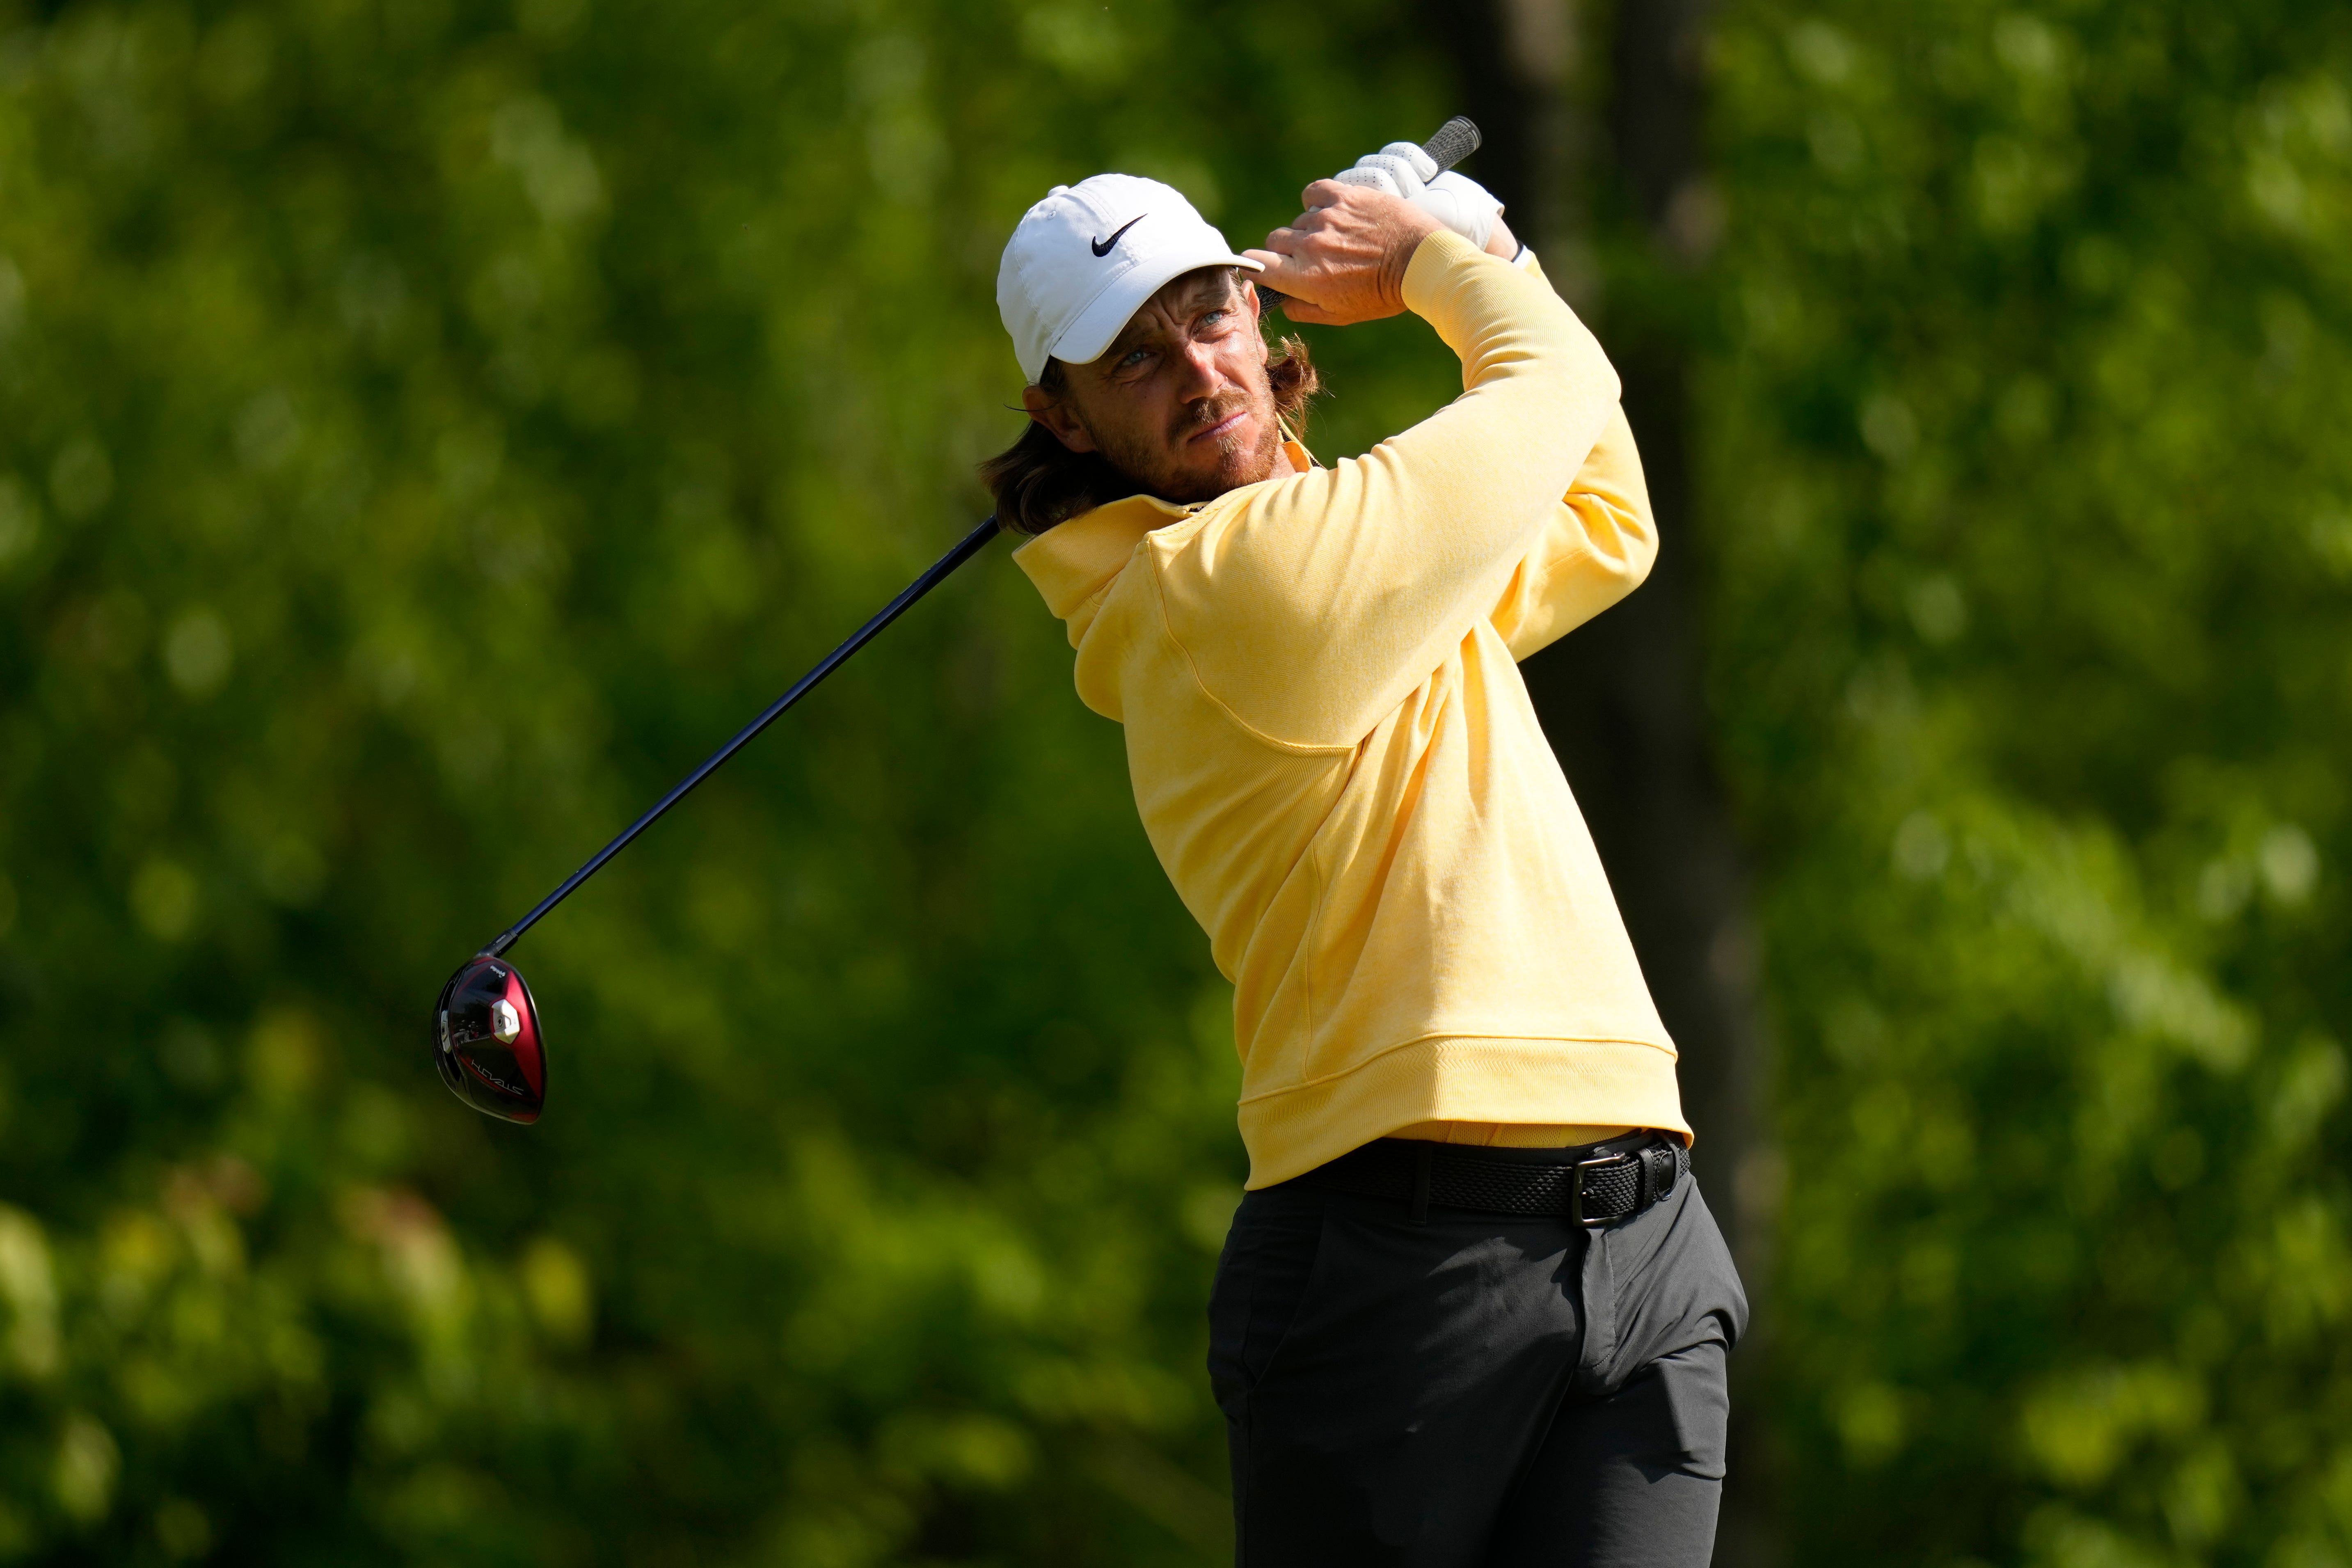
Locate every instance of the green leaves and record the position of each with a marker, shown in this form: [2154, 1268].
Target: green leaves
[2030, 681]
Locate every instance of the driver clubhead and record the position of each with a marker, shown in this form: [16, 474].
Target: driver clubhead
[487, 1043]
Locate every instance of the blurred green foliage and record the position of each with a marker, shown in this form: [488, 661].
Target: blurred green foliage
[2031, 530]
[429, 427]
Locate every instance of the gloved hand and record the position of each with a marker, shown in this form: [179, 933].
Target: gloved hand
[1458, 201]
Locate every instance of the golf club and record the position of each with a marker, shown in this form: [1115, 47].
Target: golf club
[485, 1035]
[487, 1040]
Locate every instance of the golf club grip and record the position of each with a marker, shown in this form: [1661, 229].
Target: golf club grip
[1456, 139]
[965, 549]
[1452, 142]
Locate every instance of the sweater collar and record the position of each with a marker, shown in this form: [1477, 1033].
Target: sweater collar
[1074, 564]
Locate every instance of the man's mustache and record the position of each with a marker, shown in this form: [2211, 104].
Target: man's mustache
[1206, 414]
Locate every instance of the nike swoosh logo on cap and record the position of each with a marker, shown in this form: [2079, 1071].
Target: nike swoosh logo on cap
[1102, 246]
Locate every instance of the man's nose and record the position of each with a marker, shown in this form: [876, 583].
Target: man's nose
[1197, 374]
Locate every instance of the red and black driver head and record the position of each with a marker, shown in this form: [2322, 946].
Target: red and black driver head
[487, 1043]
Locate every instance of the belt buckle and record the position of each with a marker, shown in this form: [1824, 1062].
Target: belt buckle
[1576, 1186]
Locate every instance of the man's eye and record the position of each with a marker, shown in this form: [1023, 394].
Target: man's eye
[1134, 358]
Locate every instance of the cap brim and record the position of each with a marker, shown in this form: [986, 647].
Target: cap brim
[1083, 340]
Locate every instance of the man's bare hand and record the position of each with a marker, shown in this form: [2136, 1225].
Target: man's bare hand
[1344, 258]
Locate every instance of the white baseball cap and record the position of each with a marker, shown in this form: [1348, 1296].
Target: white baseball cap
[1082, 261]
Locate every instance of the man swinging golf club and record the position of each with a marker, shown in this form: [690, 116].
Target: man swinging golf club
[1472, 1311]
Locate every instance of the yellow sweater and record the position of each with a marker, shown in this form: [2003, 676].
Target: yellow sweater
[1337, 762]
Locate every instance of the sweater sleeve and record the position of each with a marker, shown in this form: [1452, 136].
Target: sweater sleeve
[1595, 548]
[1309, 607]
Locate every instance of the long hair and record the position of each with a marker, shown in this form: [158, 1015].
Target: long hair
[1039, 482]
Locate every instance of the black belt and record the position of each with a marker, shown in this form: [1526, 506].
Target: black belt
[1598, 1183]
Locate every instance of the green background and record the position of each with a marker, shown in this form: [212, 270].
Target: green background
[426, 427]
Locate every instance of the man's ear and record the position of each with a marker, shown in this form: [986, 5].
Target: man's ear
[1056, 416]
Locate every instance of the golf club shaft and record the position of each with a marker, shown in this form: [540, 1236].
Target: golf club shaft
[966, 548]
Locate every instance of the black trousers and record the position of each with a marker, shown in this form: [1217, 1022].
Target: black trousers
[1472, 1391]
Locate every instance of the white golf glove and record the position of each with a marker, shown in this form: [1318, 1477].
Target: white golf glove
[1458, 201]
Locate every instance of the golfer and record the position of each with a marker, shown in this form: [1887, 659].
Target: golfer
[1471, 1310]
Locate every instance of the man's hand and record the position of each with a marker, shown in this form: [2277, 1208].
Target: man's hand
[1343, 260]
[1454, 199]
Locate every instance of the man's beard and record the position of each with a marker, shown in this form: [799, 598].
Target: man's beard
[1239, 460]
